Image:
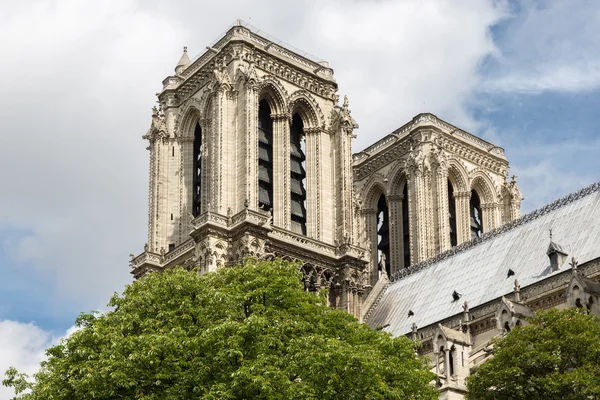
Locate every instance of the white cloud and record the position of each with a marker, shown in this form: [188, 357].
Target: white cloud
[549, 46]
[23, 345]
[81, 77]
[81, 82]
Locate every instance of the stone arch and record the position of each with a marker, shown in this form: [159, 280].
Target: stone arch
[188, 116]
[458, 175]
[206, 105]
[483, 185]
[271, 90]
[373, 191]
[398, 179]
[304, 104]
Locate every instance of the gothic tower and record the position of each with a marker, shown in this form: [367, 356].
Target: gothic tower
[250, 154]
[426, 188]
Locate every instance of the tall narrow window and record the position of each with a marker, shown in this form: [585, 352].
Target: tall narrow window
[406, 227]
[197, 170]
[383, 233]
[476, 215]
[452, 214]
[298, 175]
[265, 156]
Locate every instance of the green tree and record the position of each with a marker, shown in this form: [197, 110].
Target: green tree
[246, 332]
[556, 356]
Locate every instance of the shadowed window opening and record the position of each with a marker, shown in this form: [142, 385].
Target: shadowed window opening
[298, 175]
[452, 214]
[451, 360]
[265, 156]
[476, 215]
[197, 185]
[383, 234]
[406, 227]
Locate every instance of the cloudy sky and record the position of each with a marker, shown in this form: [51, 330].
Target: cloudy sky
[79, 80]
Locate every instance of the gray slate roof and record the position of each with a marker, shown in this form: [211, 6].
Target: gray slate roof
[478, 269]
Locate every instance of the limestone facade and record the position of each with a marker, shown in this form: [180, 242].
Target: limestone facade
[226, 181]
[250, 154]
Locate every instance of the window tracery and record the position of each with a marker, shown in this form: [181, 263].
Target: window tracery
[298, 175]
[265, 156]
[197, 180]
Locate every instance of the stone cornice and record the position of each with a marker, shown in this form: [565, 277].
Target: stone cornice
[423, 120]
[368, 162]
[238, 33]
[241, 43]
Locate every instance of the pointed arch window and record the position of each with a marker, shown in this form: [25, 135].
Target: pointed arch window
[383, 233]
[452, 215]
[298, 175]
[406, 227]
[197, 180]
[265, 156]
[476, 216]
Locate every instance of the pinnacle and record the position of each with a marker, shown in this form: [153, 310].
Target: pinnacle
[184, 61]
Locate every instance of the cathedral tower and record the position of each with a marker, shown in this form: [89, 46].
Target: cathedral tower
[250, 154]
[427, 187]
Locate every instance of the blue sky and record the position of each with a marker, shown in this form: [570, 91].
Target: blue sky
[80, 82]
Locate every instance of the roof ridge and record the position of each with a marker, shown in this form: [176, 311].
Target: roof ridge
[535, 214]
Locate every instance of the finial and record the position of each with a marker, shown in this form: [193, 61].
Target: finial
[574, 264]
[550, 234]
[466, 306]
[185, 49]
[517, 291]
[346, 104]
[514, 179]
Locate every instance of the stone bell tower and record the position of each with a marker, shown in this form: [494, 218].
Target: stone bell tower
[427, 188]
[250, 154]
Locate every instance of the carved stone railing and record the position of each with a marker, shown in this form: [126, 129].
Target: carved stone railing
[595, 187]
[245, 30]
[146, 258]
[400, 132]
[180, 250]
[300, 240]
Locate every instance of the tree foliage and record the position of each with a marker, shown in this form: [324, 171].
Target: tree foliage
[246, 332]
[556, 356]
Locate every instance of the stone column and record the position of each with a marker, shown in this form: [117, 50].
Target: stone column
[186, 182]
[463, 217]
[443, 217]
[396, 239]
[447, 364]
[312, 184]
[281, 172]
[371, 230]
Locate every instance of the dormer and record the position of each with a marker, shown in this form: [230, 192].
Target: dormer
[451, 351]
[583, 292]
[511, 314]
[557, 255]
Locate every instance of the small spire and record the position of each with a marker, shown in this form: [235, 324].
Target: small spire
[184, 62]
